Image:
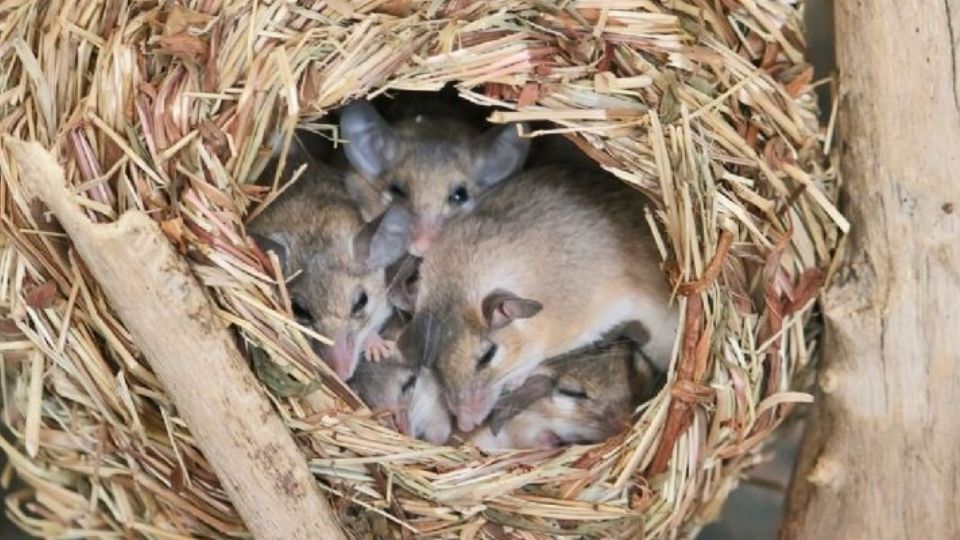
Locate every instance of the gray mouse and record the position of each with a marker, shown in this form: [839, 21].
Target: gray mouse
[335, 260]
[410, 396]
[435, 166]
[546, 263]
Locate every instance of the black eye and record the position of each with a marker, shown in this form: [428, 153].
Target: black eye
[359, 304]
[459, 196]
[571, 393]
[413, 278]
[408, 385]
[397, 191]
[301, 313]
[484, 360]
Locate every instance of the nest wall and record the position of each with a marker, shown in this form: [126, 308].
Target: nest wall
[170, 108]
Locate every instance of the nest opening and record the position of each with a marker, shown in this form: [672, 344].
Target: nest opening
[708, 111]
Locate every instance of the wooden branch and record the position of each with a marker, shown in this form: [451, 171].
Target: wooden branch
[194, 355]
[880, 458]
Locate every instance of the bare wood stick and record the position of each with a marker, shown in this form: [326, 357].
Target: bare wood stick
[195, 357]
[880, 459]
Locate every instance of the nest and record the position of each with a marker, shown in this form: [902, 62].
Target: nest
[169, 108]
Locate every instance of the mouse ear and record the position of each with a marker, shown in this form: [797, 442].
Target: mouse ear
[500, 153]
[403, 280]
[633, 331]
[500, 308]
[513, 403]
[371, 143]
[278, 243]
[385, 239]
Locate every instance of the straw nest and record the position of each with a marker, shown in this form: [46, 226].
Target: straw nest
[169, 108]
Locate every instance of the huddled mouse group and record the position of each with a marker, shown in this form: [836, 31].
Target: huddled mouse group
[468, 292]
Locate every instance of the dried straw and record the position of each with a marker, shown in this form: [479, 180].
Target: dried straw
[169, 108]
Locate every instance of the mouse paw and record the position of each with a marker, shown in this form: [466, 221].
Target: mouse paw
[378, 348]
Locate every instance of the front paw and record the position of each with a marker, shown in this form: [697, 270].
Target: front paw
[378, 348]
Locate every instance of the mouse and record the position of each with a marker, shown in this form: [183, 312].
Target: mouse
[437, 166]
[548, 262]
[582, 397]
[410, 396]
[335, 260]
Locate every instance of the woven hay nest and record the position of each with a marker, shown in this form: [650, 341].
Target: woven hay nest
[170, 107]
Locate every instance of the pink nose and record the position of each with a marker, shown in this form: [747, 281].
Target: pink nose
[340, 355]
[425, 234]
[402, 421]
[472, 410]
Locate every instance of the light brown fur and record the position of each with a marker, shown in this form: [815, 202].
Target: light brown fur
[582, 397]
[575, 241]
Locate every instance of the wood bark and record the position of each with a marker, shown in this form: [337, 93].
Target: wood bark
[881, 457]
[195, 357]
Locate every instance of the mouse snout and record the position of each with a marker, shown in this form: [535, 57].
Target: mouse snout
[614, 423]
[548, 439]
[426, 230]
[472, 409]
[340, 355]
[402, 420]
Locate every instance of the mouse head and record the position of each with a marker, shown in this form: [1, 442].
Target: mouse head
[435, 167]
[473, 351]
[409, 395]
[584, 397]
[338, 286]
[386, 387]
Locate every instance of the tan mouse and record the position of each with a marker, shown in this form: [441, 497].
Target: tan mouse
[335, 260]
[408, 394]
[546, 263]
[579, 398]
[435, 166]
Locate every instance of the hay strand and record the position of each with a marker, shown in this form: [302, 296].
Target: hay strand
[171, 108]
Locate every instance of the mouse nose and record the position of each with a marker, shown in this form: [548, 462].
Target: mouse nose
[472, 410]
[340, 355]
[425, 233]
[402, 420]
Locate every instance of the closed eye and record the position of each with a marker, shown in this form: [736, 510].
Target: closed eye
[408, 385]
[487, 357]
[571, 393]
[300, 313]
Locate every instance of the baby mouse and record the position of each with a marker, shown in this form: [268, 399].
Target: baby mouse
[435, 166]
[548, 262]
[578, 398]
[399, 387]
[335, 258]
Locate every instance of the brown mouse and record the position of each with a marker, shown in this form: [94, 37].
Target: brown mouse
[410, 395]
[335, 260]
[579, 398]
[546, 263]
[435, 166]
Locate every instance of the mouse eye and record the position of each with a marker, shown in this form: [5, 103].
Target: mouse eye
[300, 313]
[396, 190]
[459, 196]
[408, 385]
[359, 303]
[574, 393]
[487, 357]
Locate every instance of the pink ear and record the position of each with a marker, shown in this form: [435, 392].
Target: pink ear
[500, 308]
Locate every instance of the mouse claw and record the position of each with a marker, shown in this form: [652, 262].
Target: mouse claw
[378, 348]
